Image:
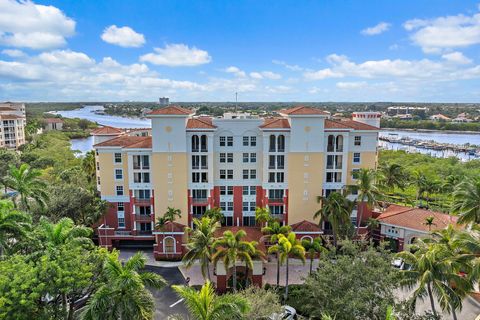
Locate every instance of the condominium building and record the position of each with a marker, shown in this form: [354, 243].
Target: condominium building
[12, 125]
[236, 164]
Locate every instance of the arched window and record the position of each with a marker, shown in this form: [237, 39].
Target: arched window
[169, 245]
[203, 143]
[272, 143]
[195, 143]
[339, 144]
[331, 143]
[307, 238]
[281, 143]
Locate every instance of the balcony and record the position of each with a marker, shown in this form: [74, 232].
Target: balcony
[143, 218]
[279, 217]
[122, 233]
[200, 200]
[141, 201]
[275, 200]
[144, 232]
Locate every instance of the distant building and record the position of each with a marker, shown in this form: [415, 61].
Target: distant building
[164, 101]
[406, 116]
[439, 117]
[405, 110]
[462, 117]
[12, 125]
[239, 115]
[53, 124]
[370, 118]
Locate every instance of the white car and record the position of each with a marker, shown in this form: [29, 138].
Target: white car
[288, 313]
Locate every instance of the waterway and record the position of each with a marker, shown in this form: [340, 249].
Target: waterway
[93, 113]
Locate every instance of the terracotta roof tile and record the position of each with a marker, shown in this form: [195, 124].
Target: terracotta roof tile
[10, 117]
[275, 123]
[177, 227]
[303, 110]
[358, 125]
[305, 226]
[331, 124]
[107, 130]
[54, 120]
[414, 218]
[127, 142]
[200, 123]
[171, 110]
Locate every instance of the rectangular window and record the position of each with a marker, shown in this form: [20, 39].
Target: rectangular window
[118, 158]
[358, 140]
[230, 157]
[271, 177]
[98, 166]
[280, 162]
[245, 206]
[253, 141]
[222, 141]
[253, 190]
[223, 174]
[195, 177]
[229, 206]
[222, 158]
[229, 174]
[119, 190]
[245, 141]
[142, 194]
[145, 162]
[253, 174]
[276, 209]
[271, 162]
[245, 157]
[230, 190]
[118, 174]
[121, 222]
[203, 162]
[229, 141]
[120, 206]
[249, 221]
[245, 190]
[223, 190]
[141, 177]
[143, 210]
[253, 157]
[280, 177]
[245, 174]
[198, 210]
[204, 177]
[195, 162]
[199, 194]
[227, 221]
[355, 173]
[356, 157]
[146, 177]
[275, 194]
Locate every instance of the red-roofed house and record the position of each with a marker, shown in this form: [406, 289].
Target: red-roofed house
[53, 124]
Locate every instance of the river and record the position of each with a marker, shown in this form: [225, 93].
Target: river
[92, 113]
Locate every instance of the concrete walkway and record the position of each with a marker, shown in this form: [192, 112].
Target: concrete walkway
[125, 254]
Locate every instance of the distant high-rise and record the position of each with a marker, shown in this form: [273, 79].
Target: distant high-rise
[12, 124]
[164, 101]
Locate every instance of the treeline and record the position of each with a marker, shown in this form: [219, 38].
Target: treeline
[429, 125]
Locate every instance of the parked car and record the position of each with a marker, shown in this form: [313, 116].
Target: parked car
[288, 313]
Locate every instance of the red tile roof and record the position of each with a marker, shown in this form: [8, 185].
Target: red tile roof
[173, 227]
[331, 124]
[54, 120]
[127, 142]
[358, 125]
[7, 109]
[171, 110]
[10, 117]
[200, 123]
[303, 110]
[414, 218]
[305, 226]
[275, 123]
[106, 131]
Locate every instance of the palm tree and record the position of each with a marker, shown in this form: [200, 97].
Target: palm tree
[89, 166]
[420, 182]
[288, 246]
[62, 232]
[312, 248]
[450, 182]
[124, 294]
[13, 225]
[231, 248]
[392, 176]
[171, 215]
[429, 222]
[273, 231]
[214, 214]
[466, 201]
[206, 305]
[368, 192]
[200, 244]
[336, 209]
[262, 215]
[372, 224]
[25, 181]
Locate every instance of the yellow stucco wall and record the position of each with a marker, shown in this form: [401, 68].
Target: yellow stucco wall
[301, 207]
[107, 173]
[177, 165]
[367, 160]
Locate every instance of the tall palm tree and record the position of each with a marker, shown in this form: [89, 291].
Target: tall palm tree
[288, 246]
[25, 181]
[466, 201]
[124, 294]
[392, 176]
[336, 209]
[172, 214]
[214, 214]
[368, 193]
[14, 225]
[231, 248]
[429, 222]
[89, 166]
[273, 231]
[62, 232]
[200, 244]
[206, 305]
[312, 248]
[420, 181]
[262, 215]
[450, 182]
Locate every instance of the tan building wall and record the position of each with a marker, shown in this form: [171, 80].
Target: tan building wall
[367, 160]
[170, 181]
[107, 173]
[305, 173]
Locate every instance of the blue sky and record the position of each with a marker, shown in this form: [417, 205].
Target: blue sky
[264, 50]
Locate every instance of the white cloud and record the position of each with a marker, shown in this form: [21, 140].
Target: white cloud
[351, 85]
[14, 53]
[322, 74]
[236, 71]
[123, 37]
[377, 29]
[66, 58]
[292, 67]
[456, 57]
[265, 75]
[438, 34]
[177, 55]
[25, 24]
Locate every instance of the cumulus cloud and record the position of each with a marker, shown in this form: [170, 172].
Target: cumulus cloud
[351, 85]
[29, 25]
[438, 34]
[123, 37]
[177, 55]
[292, 67]
[236, 71]
[265, 75]
[377, 29]
[14, 53]
[456, 57]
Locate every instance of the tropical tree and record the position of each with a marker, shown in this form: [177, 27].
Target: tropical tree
[272, 232]
[392, 176]
[89, 166]
[200, 244]
[368, 193]
[429, 222]
[206, 305]
[372, 224]
[466, 201]
[231, 248]
[336, 209]
[262, 215]
[214, 214]
[171, 215]
[64, 231]
[14, 225]
[450, 182]
[312, 248]
[288, 246]
[25, 181]
[124, 294]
